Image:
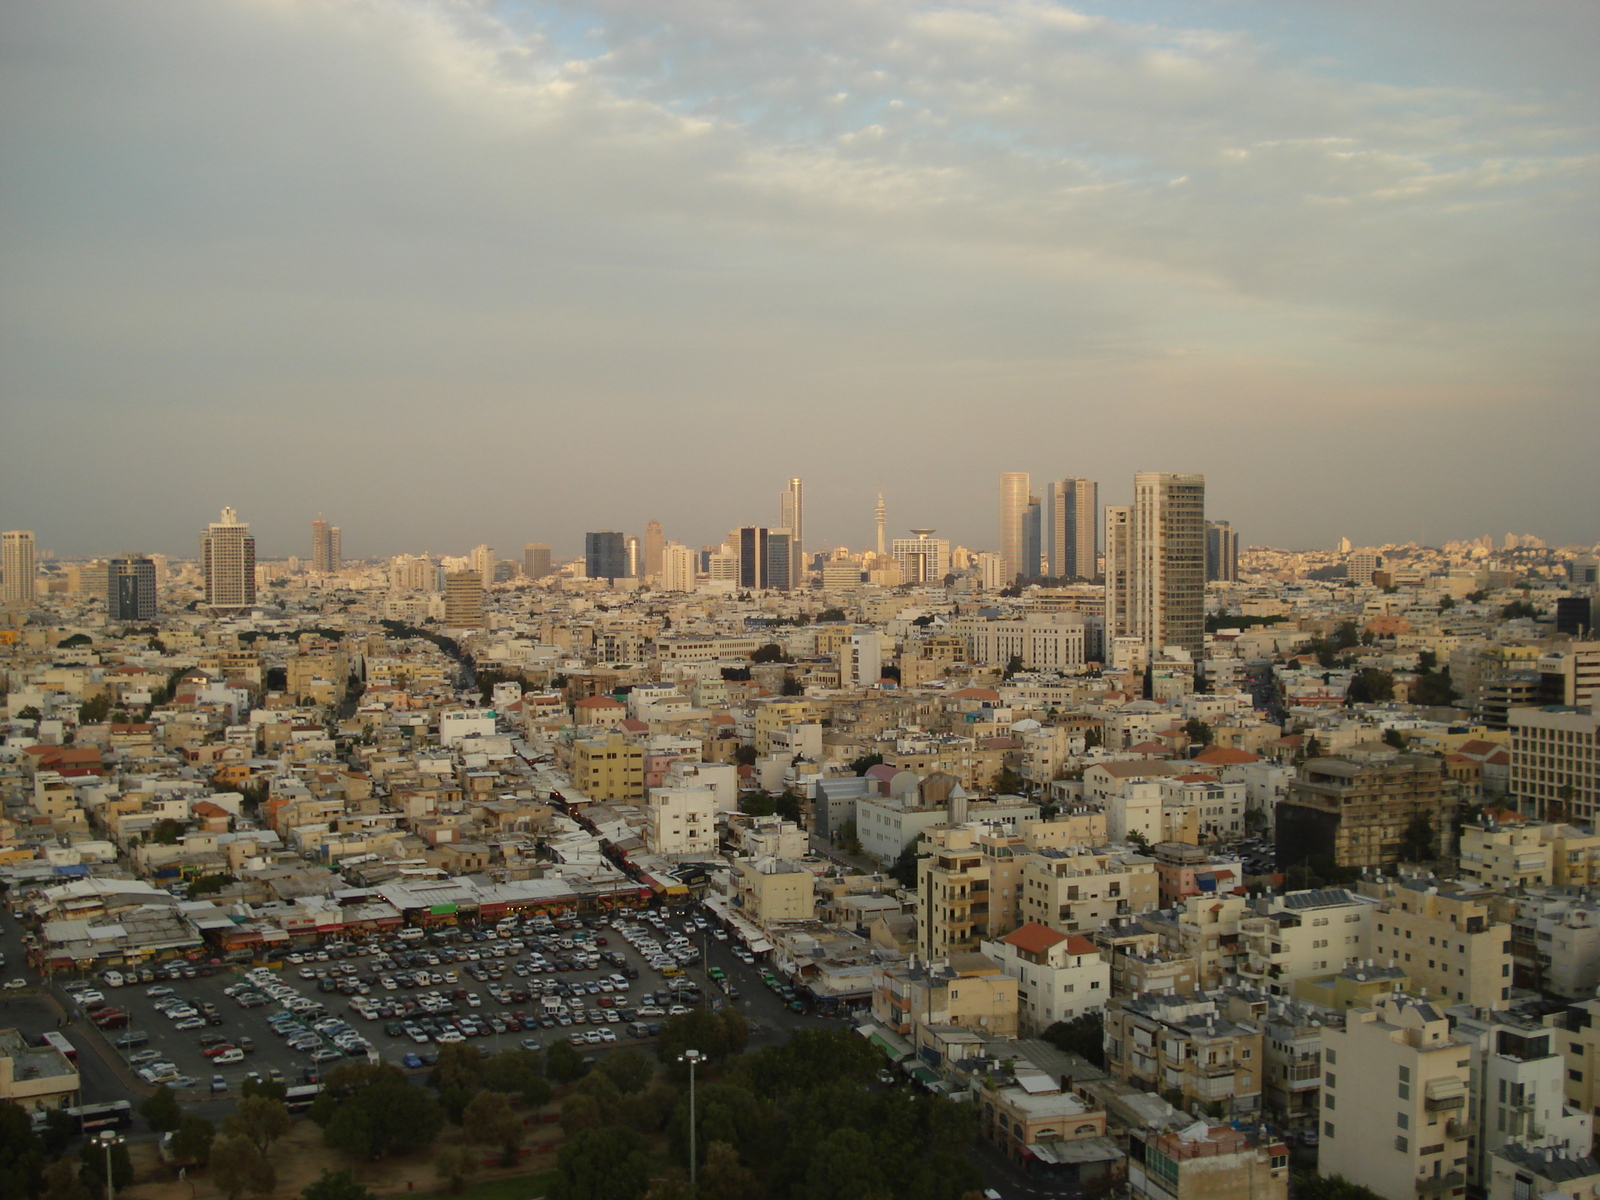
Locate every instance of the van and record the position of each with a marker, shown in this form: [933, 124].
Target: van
[113, 978]
[229, 1057]
[638, 1029]
[410, 935]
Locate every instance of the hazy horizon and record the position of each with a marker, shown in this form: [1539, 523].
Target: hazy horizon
[461, 273]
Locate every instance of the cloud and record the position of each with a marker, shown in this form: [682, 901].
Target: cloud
[463, 271]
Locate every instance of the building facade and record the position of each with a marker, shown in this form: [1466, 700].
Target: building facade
[228, 562]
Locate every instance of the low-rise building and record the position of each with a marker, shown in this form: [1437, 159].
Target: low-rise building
[1186, 1047]
[768, 890]
[1060, 976]
[34, 1077]
[1202, 1161]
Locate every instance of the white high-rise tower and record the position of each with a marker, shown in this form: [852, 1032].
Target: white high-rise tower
[228, 560]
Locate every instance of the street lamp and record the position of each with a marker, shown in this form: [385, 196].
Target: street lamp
[693, 1058]
[108, 1139]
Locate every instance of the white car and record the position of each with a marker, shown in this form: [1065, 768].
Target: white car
[15, 985]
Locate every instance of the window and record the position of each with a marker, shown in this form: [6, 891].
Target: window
[1402, 1120]
[1575, 1076]
[1327, 1129]
[1405, 1091]
[1400, 1144]
[1327, 1103]
[1329, 1055]
[1405, 1074]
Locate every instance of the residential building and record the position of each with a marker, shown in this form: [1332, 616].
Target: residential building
[1506, 856]
[1302, 934]
[1519, 1088]
[482, 561]
[1395, 1088]
[1077, 890]
[1167, 563]
[1205, 930]
[605, 555]
[677, 568]
[1047, 1129]
[228, 563]
[1291, 1040]
[463, 600]
[1367, 812]
[1060, 976]
[1555, 944]
[608, 768]
[1206, 1162]
[1185, 1045]
[952, 895]
[131, 589]
[1118, 564]
[17, 565]
[679, 821]
[769, 889]
[1446, 939]
[1072, 528]
[1518, 1172]
[1555, 762]
[965, 989]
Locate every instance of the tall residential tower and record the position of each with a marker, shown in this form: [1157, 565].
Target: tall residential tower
[228, 561]
[16, 560]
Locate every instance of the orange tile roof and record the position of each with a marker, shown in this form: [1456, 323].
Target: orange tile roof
[1225, 756]
[1034, 938]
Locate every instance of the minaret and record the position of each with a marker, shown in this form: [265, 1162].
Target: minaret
[880, 523]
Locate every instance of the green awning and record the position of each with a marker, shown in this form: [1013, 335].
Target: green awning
[893, 1053]
[926, 1076]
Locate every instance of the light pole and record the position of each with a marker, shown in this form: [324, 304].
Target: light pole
[692, 1057]
[108, 1139]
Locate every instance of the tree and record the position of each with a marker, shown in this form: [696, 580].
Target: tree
[904, 870]
[59, 1130]
[830, 614]
[458, 1076]
[489, 1121]
[272, 1089]
[1393, 737]
[723, 1177]
[237, 1167]
[745, 756]
[849, 838]
[62, 1181]
[1198, 732]
[845, 1166]
[1083, 1035]
[260, 1119]
[21, 1154]
[757, 804]
[520, 1072]
[1417, 844]
[1311, 1186]
[167, 832]
[786, 805]
[192, 1141]
[865, 763]
[1136, 838]
[713, 1034]
[563, 1063]
[161, 1111]
[95, 709]
[207, 884]
[1434, 689]
[629, 1068]
[1519, 610]
[93, 1160]
[770, 653]
[1370, 686]
[602, 1164]
[368, 1111]
[73, 642]
[1008, 782]
[336, 1185]
[454, 1164]
[1447, 604]
[1013, 666]
[29, 713]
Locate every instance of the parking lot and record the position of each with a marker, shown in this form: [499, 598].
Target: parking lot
[520, 983]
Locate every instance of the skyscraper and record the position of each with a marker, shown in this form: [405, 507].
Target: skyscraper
[1222, 553]
[535, 560]
[131, 589]
[482, 560]
[1072, 527]
[1033, 539]
[677, 568]
[605, 555]
[1013, 521]
[791, 516]
[653, 544]
[325, 548]
[878, 517]
[463, 600]
[1118, 523]
[16, 559]
[228, 561]
[1167, 576]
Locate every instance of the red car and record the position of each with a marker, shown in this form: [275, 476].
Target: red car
[110, 1018]
[214, 1051]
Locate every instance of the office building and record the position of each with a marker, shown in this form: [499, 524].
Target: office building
[605, 555]
[463, 600]
[1394, 1100]
[653, 545]
[765, 558]
[792, 516]
[325, 548]
[1222, 553]
[1555, 762]
[228, 562]
[1167, 562]
[1119, 557]
[535, 560]
[1013, 526]
[1071, 518]
[1033, 539]
[17, 562]
[922, 558]
[131, 589]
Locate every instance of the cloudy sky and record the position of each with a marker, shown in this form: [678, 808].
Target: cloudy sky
[456, 272]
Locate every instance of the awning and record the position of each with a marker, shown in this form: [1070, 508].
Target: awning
[760, 946]
[887, 1048]
[926, 1076]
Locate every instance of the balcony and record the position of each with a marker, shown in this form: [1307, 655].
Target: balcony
[1438, 1185]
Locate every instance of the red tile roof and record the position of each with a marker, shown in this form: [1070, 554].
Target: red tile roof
[1225, 756]
[1034, 938]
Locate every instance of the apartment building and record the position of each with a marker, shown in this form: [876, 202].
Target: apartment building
[608, 768]
[1185, 1046]
[1303, 934]
[1360, 812]
[1205, 931]
[1206, 1162]
[1446, 939]
[681, 822]
[1076, 890]
[1555, 944]
[953, 894]
[1505, 856]
[1519, 1089]
[773, 889]
[1395, 1087]
[1555, 762]
[1060, 976]
[965, 989]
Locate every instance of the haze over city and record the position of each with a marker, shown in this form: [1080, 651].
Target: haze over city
[509, 272]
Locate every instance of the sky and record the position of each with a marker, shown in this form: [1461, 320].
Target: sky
[452, 273]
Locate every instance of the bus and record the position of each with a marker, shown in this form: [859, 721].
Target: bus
[58, 1041]
[299, 1098]
[114, 1114]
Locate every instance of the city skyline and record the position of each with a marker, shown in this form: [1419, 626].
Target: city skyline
[1283, 247]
